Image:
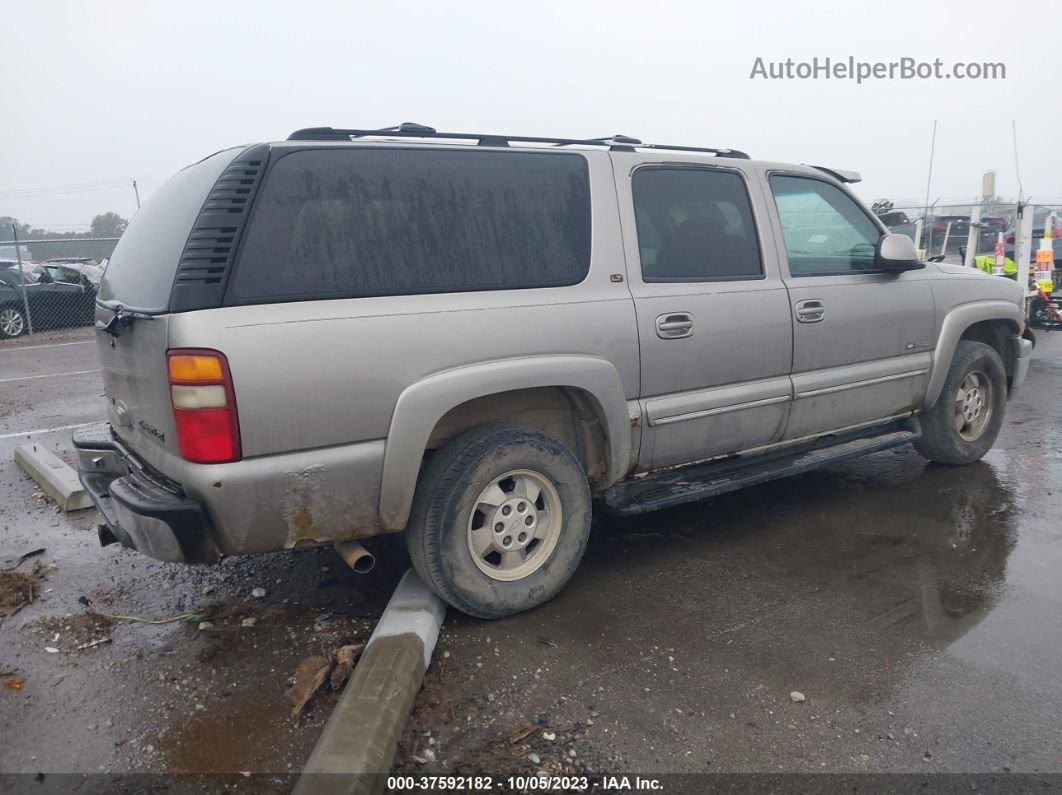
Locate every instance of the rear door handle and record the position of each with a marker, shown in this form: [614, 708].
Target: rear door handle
[810, 311]
[674, 325]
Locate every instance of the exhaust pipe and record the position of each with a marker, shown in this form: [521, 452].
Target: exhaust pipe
[356, 556]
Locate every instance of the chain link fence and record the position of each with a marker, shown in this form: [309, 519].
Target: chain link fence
[50, 284]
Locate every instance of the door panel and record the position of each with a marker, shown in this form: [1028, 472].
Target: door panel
[861, 340]
[713, 315]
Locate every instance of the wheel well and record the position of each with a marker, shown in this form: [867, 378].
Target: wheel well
[995, 334]
[567, 414]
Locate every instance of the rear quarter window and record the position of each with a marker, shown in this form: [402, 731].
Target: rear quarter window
[141, 270]
[335, 223]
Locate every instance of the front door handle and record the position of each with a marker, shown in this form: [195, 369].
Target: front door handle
[810, 311]
[674, 325]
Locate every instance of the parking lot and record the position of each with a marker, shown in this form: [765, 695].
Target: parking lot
[917, 608]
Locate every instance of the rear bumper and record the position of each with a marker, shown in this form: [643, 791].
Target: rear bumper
[140, 511]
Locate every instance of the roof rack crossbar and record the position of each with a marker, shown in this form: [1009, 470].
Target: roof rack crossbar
[413, 130]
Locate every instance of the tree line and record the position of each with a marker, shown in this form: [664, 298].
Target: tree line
[108, 224]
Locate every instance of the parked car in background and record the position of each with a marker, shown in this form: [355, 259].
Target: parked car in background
[52, 273]
[92, 268]
[956, 227]
[53, 303]
[898, 222]
[989, 228]
[1042, 216]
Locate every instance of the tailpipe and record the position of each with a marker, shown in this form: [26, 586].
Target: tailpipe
[356, 556]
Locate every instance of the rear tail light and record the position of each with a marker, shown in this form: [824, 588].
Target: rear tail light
[204, 406]
[1010, 238]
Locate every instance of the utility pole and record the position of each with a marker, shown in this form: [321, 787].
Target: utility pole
[137, 192]
[929, 182]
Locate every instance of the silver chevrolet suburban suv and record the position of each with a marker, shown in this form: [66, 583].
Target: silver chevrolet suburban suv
[476, 339]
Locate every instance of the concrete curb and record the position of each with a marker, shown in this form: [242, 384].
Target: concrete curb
[56, 477]
[357, 747]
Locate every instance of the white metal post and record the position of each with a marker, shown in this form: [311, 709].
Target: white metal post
[973, 237]
[1023, 243]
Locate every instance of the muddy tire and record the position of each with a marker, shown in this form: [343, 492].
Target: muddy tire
[12, 322]
[963, 424]
[500, 520]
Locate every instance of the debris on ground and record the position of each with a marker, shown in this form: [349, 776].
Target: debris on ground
[309, 676]
[313, 672]
[27, 555]
[258, 593]
[17, 589]
[797, 697]
[14, 683]
[345, 658]
[75, 632]
[192, 617]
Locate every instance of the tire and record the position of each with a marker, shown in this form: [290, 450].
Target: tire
[470, 489]
[12, 322]
[957, 430]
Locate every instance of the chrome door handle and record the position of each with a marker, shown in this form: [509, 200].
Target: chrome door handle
[674, 325]
[810, 311]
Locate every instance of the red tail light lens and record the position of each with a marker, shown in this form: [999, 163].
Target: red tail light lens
[204, 406]
[1010, 238]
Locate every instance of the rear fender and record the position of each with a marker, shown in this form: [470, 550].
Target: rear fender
[423, 404]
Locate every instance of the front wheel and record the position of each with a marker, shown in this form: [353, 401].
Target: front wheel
[500, 520]
[963, 424]
[12, 322]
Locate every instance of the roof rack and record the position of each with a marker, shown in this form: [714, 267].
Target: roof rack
[616, 143]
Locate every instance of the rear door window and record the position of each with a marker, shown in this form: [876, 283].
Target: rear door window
[335, 223]
[694, 225]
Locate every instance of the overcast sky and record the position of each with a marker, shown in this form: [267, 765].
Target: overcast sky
[98, 93]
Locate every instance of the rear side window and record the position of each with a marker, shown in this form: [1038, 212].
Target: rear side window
[694, 225]
[141, 270]
[334, 223]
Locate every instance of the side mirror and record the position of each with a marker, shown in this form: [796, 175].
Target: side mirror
[896, 253]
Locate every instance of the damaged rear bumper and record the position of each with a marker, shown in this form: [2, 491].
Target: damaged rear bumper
[140, 511]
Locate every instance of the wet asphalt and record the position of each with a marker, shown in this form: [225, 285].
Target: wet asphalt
[917, 608]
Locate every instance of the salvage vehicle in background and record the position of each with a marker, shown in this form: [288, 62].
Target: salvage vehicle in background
[91, 268]
[478, 339]
[897, 222]
[955, 227]
[57, 297]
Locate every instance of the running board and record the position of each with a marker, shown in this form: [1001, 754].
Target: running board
[671, 487]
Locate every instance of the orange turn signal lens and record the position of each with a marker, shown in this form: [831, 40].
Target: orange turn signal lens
[194, 367]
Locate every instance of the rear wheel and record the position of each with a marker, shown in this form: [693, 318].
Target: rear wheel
[500, 520]
[12, 322]
[964, 423]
